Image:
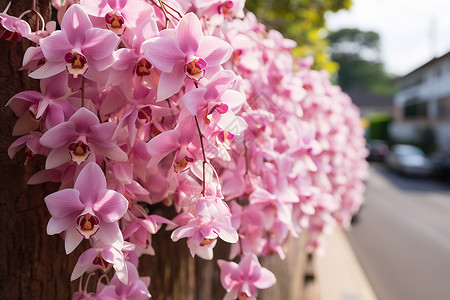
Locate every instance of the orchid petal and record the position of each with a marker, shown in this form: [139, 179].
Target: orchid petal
[55, 46]
[74, 24]
[214, 51]
[58, 225]
[90, 182]
[63, 203]
[189, 33]
[110, 234]
[57, 157]
[163, 53]
[110, 205]
[59, 135]
[48, 69]
[194, 99]
[84, 261]
[99, 43]
[72, 240]
[170, 83]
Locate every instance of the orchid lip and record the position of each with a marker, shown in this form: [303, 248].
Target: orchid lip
[79, 151]
[87, 225]
[145, 114]
[114, 22]
[143, 67]
[98, 260]
[76, 63]
[195, 68]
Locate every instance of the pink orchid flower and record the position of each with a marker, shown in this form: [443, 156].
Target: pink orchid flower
[78, 138]
[140, 232]
[12, 28]
[87, 209]
[219, 103]
[50, 106]
[135, 289]
[77, 46]
[119, 16]
[183, 53]
[211, 220]
[101, 257]
[242, 280]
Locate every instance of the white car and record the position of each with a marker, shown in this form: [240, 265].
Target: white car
[409, 160]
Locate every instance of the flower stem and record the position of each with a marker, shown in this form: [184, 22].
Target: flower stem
[204, 156]
[165, 13]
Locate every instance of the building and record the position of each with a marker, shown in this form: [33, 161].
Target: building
[423, 103]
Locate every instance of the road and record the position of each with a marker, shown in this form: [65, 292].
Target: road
[402, 236]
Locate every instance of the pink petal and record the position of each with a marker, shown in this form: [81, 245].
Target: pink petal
[56, 86]
[267, 279]
[55, 116]
[161, 145]
[96, 8]
[114, 153]
[90, 182]
[214, 50]
[83, 263]
[163, 53]
[182, 232]
[48, 69]
[58, 225]
[110, 234]
[63, 203]
[233, 99]
[21, 102]
[219, 83]
[59, 135]
[25, 124]
[110, 206]
[102, 133]
[72, 240]
[194, 99]
[17, 145]
[57, 157]
[83, 120]
[74, 24]
[118, 4]
[55, 46]
[226, 269]
[228, 234]
[189, 33]
[44, 176]
[170, 83]
[99, 44]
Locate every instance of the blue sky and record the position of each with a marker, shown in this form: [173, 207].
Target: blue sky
[412, 31]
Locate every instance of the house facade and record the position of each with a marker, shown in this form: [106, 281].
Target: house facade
[423, 103]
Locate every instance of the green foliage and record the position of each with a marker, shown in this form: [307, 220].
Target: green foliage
[358, 55]
[302, 21]
[378, 126]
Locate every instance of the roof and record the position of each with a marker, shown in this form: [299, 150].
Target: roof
[427, 64]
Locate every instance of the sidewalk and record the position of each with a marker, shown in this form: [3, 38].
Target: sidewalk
[338, 273]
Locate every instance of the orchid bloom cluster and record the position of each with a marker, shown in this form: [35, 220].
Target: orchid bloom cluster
[191, 104]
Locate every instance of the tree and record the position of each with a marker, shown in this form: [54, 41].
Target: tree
[302, 21]
[358, 55]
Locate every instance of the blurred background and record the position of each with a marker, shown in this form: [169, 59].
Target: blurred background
[393, 58]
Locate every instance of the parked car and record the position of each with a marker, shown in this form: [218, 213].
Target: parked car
[378, 150]
[409, 160]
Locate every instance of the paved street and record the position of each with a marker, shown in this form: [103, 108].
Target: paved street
[402, 236]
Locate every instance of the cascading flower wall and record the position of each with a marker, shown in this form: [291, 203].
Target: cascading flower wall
[192, 104]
